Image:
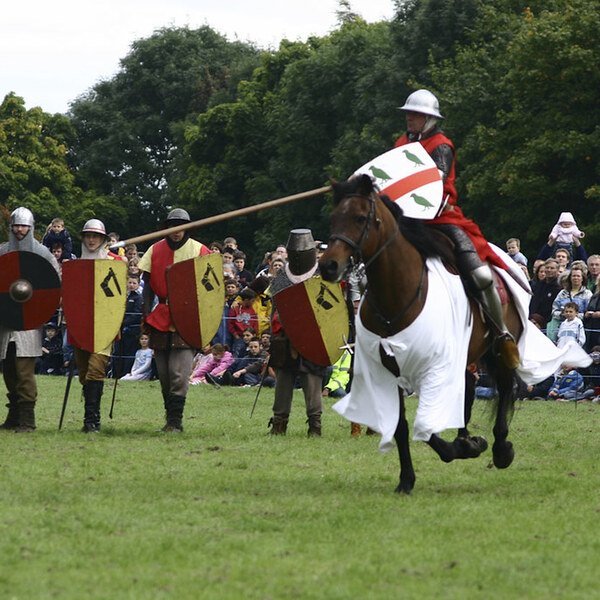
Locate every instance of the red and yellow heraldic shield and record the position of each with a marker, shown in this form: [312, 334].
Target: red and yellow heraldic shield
[315, 318]
[196, 298]
[29, 290]
[94, 299]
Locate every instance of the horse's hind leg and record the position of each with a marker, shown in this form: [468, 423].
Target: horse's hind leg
[502, 449]
[407, 472]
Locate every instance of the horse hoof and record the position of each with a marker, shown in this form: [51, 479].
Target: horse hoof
[503, 455]
[480, 442]
[467, 447]
[403, 489]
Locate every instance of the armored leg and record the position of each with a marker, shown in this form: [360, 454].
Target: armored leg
[480, 279]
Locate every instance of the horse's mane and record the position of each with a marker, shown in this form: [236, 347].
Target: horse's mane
[426, 240]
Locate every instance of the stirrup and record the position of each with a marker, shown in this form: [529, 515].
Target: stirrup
[506, 349]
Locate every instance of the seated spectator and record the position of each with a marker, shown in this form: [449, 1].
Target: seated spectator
[201, 358]
[217, 365]
[51, 361]
[246, 370]
[568, 386]
[241, 317]
[539, 391]
[142, 365]
[591, 376]
[571, 327]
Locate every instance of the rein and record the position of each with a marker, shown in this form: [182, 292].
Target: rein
[357, 248]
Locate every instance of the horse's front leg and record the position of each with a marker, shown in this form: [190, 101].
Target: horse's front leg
[407, 472]
[502, 449]
[470, 382]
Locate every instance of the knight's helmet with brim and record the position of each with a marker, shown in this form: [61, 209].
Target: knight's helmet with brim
[302, 252]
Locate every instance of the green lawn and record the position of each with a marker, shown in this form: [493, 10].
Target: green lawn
[226, 511]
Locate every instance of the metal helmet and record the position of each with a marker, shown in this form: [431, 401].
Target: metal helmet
[94, 226]
[21, 216]
[424, 102]
[302, 252]
[179, 214]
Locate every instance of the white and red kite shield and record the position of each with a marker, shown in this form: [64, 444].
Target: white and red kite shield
[94, 299]
[314, 315]
[409, 176]
[29, 290]
[196, 298]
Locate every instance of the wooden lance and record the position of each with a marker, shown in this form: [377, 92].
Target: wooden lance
[222, 217]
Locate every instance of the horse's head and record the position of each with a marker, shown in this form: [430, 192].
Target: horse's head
[353, 220]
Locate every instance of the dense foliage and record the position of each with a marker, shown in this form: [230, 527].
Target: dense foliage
[195, 120]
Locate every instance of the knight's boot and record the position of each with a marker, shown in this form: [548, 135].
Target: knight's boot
[175, 408]
[92, 393]
[504, 343]
[355, 429]
[278, 425]
[12, 418]
[26, 417]
[314, 426]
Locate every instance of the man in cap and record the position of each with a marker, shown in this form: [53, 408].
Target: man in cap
[470, 247]
[288, 362]
[19, 349]
[172, 354]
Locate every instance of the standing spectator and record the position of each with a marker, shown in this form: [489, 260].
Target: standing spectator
[113, 238]
[172, 355]
[132, 320]
[575, 291]
[56, 232]
[216, 248]
[239, 262]
[571, 327]
[545, 292]
[338, 382]
[591, 319]
[230, 242]
[563, 257]
[593, 265]
[19, 349]
[91, 366]
[131, 252]
[142, 365]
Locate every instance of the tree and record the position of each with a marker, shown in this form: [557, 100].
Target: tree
[523, 99]
[130, 128]
[33, 166]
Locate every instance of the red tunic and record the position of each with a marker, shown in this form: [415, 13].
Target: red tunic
[453, 215]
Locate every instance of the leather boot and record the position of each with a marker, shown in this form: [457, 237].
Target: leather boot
[26, 417]
[355, 429]
[92, 393]
[314, 426]
[278, 425]
[175, 408]
[12, 418]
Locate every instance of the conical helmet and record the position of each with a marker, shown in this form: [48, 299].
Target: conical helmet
[22, 216]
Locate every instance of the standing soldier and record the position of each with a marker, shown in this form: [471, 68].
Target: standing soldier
[91, 366]
[19, 349]
[172, 354]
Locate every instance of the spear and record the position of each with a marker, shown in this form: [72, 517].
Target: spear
[221, 217]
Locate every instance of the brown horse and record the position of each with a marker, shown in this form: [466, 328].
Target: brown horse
[394, 250]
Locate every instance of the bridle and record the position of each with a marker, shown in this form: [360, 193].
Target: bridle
[357, 258]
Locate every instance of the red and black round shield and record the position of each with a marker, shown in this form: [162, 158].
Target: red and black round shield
[29, 290]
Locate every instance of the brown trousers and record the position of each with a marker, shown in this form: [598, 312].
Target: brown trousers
[19, 375]
[91, 367]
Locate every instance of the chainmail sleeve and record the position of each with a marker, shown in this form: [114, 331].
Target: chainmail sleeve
[443, 157]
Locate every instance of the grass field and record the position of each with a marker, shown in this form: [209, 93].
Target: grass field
[226, 511]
